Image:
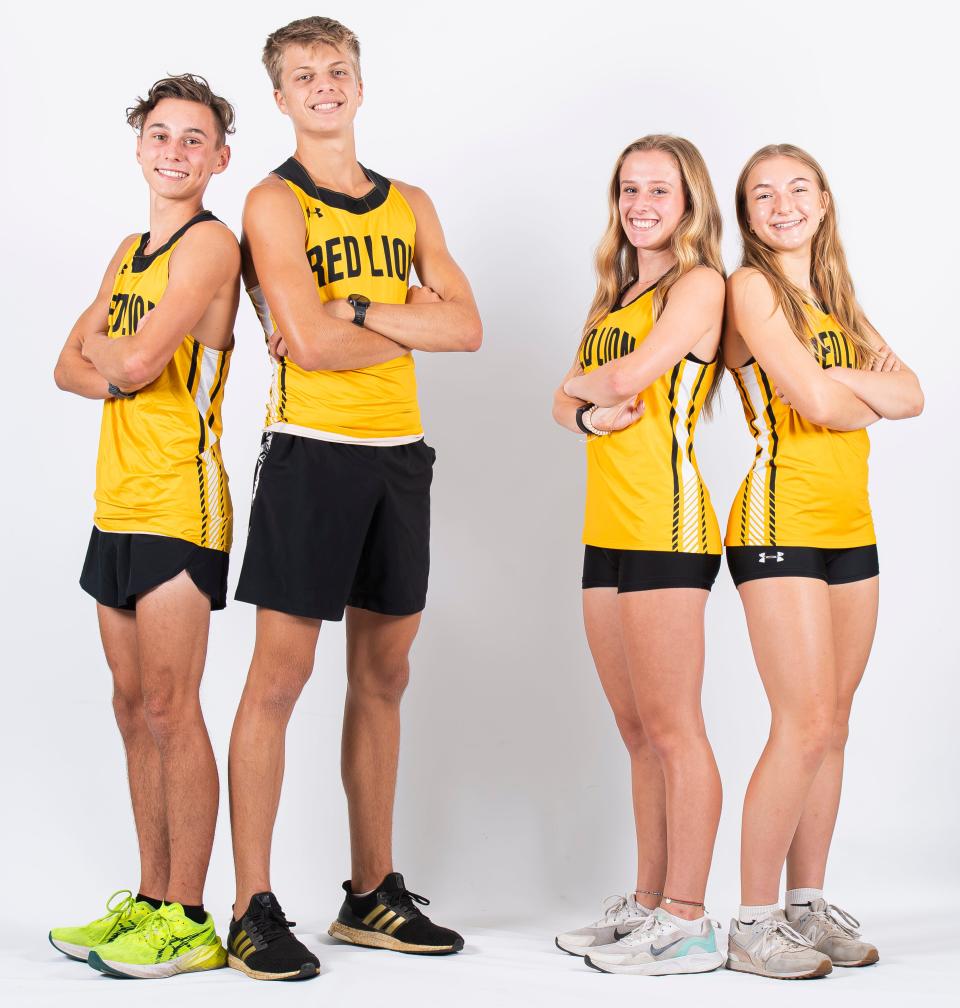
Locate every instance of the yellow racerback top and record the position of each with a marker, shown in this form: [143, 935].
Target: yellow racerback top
[808, 484]
[159, 468]
[644, 489]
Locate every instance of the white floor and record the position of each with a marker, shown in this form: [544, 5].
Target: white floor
[919, 964]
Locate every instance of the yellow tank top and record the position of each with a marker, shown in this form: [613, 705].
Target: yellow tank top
[355, 245]
[644, 489]
[159, 468]
[808, 484]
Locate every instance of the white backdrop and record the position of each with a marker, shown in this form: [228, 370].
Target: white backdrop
[513, 805]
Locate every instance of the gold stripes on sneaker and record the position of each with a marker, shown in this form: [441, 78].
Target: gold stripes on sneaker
[243, 945]
[381, 918]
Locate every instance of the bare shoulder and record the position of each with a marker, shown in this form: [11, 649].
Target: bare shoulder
[269, 195]
[703, 281]
[211, 240]
[419, 201]
[751, 291]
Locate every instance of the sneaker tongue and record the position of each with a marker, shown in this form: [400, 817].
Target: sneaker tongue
[172, 910]
[393, 882]
[818, 906]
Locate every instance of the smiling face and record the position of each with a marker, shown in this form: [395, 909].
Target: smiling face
[652, 201]
[320, 88]
[179, 148]
[784, 202]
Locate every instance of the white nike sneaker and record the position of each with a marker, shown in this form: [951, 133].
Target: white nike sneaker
[660, 946]
[621, 914]
[770, 947]
[834, 932]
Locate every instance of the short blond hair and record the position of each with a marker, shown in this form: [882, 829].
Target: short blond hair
[309, 31]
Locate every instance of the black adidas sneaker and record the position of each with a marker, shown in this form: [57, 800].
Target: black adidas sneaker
[261, 944]
[388, 918]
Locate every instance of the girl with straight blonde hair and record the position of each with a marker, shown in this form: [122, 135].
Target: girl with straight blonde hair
[812, 373]
[645, 369]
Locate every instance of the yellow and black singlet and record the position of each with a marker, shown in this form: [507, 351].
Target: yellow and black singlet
[159, 468]
[644, 490]
[808, 484]
[355, 245]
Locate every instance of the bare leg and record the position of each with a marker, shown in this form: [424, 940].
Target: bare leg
[118, 631]
[792, 636]
[282, 663]
[377, 673]
[854, 611]
[172, 625]
[663, 640]
[601, 618]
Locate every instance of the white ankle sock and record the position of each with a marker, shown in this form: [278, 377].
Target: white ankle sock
[794, 897]
[682, 922]
[749, 914]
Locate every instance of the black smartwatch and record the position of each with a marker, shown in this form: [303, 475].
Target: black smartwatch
[119, 393]
[580, 411]
[360, 305]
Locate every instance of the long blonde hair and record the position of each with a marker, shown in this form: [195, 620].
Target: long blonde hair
[695, 242]
[829, 273]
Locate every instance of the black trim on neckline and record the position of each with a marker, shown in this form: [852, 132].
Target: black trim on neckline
[706, 363]
[634, 300]
[292, 171]
[142, 260]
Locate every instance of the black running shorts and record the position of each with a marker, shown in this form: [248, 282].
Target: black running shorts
[642, 570]
[835, 566]
[122, 565]
[335, 525]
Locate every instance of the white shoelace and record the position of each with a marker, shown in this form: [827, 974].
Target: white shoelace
[653, 928]
[834, 919]
[616, 910]
[779, 936]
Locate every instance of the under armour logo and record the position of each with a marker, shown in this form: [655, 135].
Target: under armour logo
[764, 557]
[316, 210]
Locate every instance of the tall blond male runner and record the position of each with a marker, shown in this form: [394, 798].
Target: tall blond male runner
[155, 347]
[340, 514]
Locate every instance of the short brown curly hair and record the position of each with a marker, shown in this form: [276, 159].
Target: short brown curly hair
[308, 31]
[188, 87]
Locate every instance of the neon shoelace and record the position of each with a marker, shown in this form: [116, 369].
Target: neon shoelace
[120, 910]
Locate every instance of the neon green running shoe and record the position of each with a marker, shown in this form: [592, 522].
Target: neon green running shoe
[121, 916]
[166, 943]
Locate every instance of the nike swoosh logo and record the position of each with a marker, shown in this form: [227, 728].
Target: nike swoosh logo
[618, 935]
[659, 951]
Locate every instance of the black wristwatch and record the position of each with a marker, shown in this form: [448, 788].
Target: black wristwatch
[360, 304]
[119, 393]
[580, 411]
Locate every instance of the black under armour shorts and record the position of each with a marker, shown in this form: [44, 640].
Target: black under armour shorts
[835, 566]
[335, 525]
[119, 566]
[642, 570]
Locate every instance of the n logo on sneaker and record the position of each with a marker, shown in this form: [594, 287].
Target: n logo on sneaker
[383, 919]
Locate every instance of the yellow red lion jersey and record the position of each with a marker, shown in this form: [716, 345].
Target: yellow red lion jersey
[159, 468]
[808, 484]
[644, 489]
[355, 245]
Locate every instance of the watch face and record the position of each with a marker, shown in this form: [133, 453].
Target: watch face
[359, 299]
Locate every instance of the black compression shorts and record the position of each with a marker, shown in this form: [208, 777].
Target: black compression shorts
[642, 570]
[835, 566]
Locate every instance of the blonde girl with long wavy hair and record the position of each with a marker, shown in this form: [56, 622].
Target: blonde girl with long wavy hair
[812, 374]
[645, 368]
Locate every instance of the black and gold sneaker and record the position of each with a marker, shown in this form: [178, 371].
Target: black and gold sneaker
[262, 945]
[388, 918]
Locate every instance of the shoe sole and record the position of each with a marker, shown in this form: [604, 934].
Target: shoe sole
[376, 940]
[702, 962]
[306, 972]
[208, 957]
[77, 952]
[868, 960]
[822, 970]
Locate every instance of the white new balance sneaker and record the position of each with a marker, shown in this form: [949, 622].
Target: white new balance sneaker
[621, 914]
[834, 932]
[660, 946]
[770, 947]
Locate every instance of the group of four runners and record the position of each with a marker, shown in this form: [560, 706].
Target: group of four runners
[340, 519]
